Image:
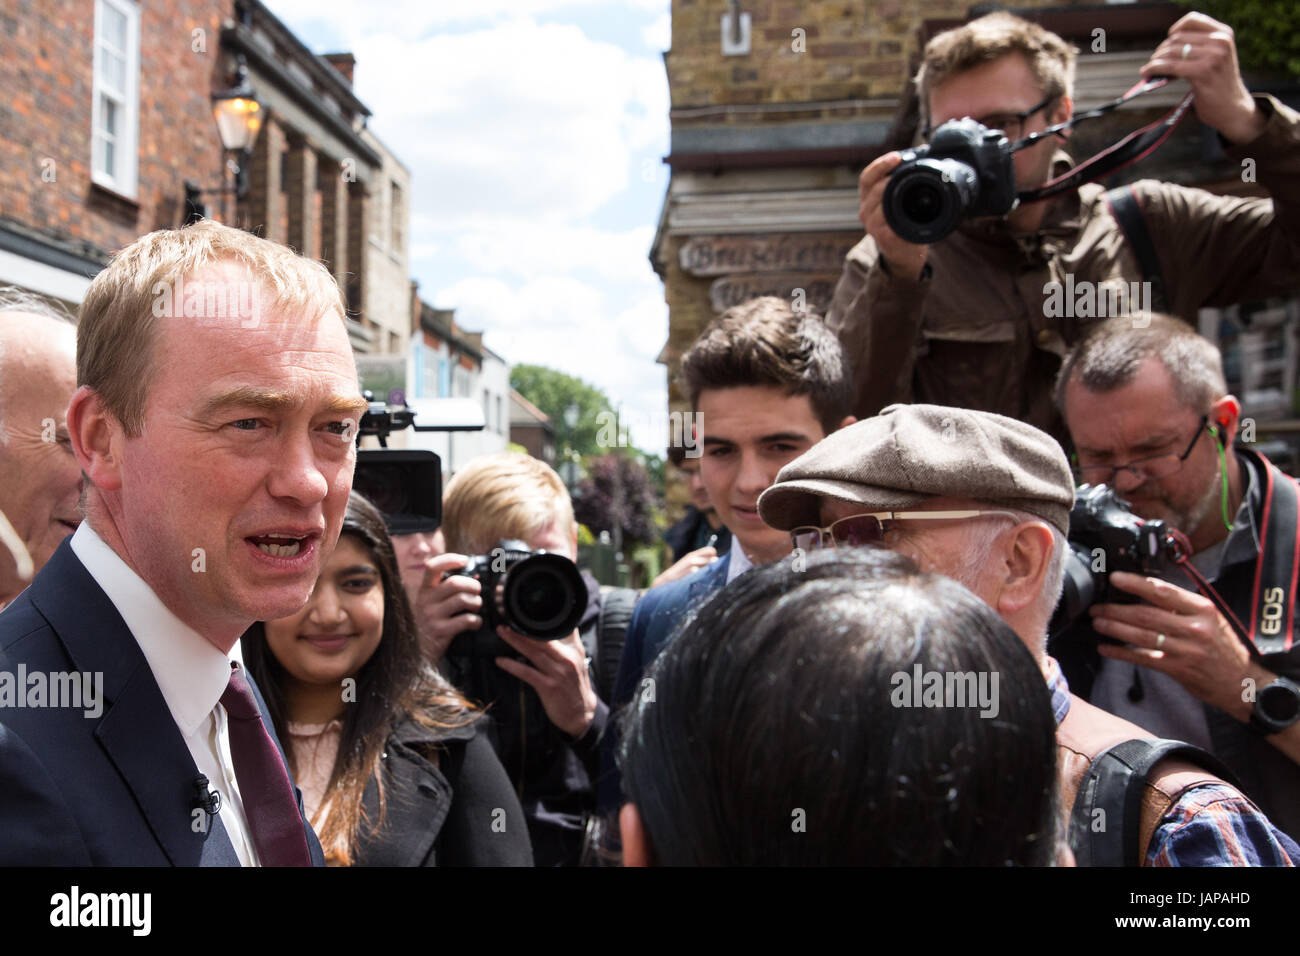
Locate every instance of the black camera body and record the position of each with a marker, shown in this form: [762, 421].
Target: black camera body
[536, 593]
[965, 171]
[1106, 536]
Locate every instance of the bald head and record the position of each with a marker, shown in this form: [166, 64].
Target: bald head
[40, 480]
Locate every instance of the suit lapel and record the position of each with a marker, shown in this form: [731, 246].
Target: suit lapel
[146, 746]
[137, 730]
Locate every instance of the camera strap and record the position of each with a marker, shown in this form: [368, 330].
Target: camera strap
[1136, 145]
[1268, 606]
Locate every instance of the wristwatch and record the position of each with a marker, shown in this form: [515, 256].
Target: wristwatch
[1277, 707]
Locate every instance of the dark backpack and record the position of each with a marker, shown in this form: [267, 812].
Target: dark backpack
[616, 606]
[1113, 785]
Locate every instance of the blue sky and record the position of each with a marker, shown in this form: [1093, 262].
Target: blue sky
[534, 131]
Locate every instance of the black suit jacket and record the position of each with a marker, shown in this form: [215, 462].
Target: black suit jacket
[111, 790]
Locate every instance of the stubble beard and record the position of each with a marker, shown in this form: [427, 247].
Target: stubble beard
[1190, 520]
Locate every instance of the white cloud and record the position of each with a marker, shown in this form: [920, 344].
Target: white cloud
[659, 35]
[517, 133]
[414, 17]
[565, 324]
[523, 119]
[525, 248]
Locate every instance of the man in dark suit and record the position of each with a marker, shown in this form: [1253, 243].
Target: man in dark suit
[214, 422]
[767, 383]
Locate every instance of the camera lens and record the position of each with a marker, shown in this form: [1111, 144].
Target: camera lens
[922, 203]
[926, 199]
[544, 596]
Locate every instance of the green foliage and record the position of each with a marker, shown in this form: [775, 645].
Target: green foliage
[1267, 31]
[655, 465]
[553, 392]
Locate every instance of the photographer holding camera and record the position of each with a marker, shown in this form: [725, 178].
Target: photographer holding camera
[1150, 414]
[538, 690]
[963, 321]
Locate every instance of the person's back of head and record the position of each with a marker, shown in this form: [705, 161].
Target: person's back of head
[793, 720]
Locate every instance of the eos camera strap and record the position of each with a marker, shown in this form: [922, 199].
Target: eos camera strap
[1269, 606]
[1135, 146]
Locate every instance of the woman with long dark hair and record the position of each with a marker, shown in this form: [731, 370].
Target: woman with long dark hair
[393, 768]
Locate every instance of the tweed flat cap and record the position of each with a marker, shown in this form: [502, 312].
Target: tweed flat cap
[909, 453]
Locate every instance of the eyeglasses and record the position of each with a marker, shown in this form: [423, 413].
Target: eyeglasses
[857, 531]
[1153, 466]
[1010, 123]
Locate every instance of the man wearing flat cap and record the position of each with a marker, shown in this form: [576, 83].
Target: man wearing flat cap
[986, 500]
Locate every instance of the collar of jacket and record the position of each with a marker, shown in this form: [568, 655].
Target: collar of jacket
[411, 732]
[1062, 219]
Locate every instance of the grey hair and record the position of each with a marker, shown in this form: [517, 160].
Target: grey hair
[1110, 355]
[17, 300]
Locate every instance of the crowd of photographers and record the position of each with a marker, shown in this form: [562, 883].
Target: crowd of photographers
[960, 578]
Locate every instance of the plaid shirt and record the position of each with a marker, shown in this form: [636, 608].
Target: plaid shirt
[1209, 825]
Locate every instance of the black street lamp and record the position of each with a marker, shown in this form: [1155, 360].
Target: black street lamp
[238, 115]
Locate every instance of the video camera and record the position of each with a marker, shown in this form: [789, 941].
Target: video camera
[965, 171]
[1106, 536]
[406, 484]
[536, 593]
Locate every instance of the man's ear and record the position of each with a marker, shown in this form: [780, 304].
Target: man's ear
[96, 438]
[636, 846]
[1027, 562]
[1225, 415]
[848, 420]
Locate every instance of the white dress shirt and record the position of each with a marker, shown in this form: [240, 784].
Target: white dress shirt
[191, 673]
[740, 562]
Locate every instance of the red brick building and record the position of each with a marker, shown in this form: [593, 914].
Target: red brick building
[106, 111]
[107, 114]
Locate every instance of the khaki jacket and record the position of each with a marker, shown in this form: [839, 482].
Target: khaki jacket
[978, 330]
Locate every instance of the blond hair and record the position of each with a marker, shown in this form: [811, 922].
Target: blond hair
[990, 38]
[504, 495]
[117, 322]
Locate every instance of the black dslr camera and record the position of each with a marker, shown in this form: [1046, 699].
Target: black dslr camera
[1106, 536]
[535, 593]
[964, 171]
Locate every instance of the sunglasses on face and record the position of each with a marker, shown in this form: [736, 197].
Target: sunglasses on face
[868, 530]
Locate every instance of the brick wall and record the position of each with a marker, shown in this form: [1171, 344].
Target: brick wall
[802, 51]
[45, 115]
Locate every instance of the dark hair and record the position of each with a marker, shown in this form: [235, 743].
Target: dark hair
[1108, 357]
[765, 342]
[769, 732]
[395, 683]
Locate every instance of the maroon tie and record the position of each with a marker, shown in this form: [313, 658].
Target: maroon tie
[269, 805]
